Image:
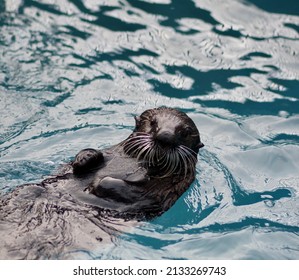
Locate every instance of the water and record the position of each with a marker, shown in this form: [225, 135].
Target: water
[73, 73]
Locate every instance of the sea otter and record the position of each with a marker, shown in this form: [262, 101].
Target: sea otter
[139, 178]
[146, 173]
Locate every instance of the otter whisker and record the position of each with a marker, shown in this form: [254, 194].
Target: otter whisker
[151, 155]
[188, 150]
[144, 151]
[176, 161]
[136, 144]
[144, 148]
[132, 148]
[183, 157]
[164, 160]
[139, 136]
[134, 138]
[135, 141]
[191, 158]
[173, 162]
[140, 147]
[148, 157]
[168, 162]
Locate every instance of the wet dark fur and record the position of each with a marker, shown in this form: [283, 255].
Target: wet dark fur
[140, 178]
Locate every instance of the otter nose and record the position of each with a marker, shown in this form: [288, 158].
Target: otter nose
[166, 138]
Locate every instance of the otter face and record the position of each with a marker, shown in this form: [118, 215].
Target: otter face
[166, 139]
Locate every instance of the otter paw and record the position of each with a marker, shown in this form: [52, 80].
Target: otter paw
[112, 188]
[86, 160]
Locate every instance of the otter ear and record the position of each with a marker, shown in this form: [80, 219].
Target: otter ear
[137, 121]
[200, 145]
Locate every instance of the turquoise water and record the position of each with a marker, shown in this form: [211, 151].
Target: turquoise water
[73, 73]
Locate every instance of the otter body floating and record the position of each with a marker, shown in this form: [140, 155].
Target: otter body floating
[142, 176]
[146, 173]
[94, 197]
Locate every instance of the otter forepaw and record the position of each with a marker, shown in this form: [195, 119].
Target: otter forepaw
[86, 160]
[112, 188]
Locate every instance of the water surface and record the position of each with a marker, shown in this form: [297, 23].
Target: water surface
[74, 72]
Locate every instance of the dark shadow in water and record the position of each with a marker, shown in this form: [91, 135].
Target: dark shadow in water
[249, 107]
[291, 86]
[50, 8]
[292, 26]
[245, 198]
[102, 19]
[177, 214]
[114, 24]
[202, 81]
[249, 56]
[238, 34]
[231, 33]
[57, 100]
[2, 6]
[289, 7]
[168, 220]
[178, 9]
[119, 55]
[54, 9]
[246, 222]
[106, 21]
[175, 11]
[158, 244]
[75, 32]
[284, 139]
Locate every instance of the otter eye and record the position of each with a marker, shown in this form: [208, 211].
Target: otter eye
[186, 132]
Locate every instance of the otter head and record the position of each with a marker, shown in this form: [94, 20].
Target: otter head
[166, 141]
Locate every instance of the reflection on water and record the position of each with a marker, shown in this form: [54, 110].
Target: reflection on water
[73, 72]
